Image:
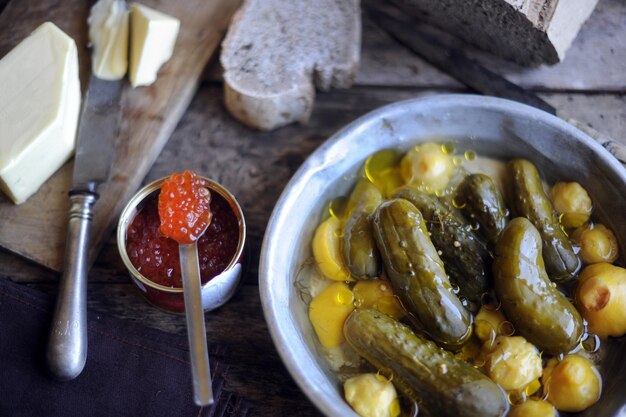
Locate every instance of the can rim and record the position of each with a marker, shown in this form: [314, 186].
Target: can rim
[131, 208]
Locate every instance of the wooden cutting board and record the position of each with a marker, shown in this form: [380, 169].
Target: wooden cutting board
[36, 228]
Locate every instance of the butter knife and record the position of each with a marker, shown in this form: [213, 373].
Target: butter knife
[98, 127]
[406, 30]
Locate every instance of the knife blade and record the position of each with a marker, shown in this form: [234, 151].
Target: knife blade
[401, 26]
[98, 127]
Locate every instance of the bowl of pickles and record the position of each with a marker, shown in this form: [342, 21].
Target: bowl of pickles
[453, 255]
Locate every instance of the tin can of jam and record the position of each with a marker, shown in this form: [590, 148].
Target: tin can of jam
[152, 259]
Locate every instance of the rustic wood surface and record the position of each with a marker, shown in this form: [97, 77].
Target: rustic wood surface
[256, 167]
[149, 115]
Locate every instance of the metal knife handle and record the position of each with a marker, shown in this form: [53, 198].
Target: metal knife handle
[67, 345]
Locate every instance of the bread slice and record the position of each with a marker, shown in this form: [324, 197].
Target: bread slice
[529, 32]
[277, 51]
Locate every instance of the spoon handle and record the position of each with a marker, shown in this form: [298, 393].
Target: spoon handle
[196, 331]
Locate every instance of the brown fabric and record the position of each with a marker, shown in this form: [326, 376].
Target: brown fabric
[131, 370]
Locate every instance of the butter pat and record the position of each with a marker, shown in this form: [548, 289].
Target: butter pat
[153, 35]
[108, 34]
[39, 107]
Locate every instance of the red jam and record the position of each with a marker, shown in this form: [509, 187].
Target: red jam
[184, 207]
[156, 256]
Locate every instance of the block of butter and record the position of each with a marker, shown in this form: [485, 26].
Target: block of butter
[108, 34]
[39, 108]
[153, 35]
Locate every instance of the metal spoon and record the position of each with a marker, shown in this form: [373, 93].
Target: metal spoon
[196, 330]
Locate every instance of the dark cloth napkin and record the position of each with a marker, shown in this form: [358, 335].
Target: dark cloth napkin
[131, 370]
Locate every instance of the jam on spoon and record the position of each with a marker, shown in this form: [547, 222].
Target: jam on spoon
[184, 207]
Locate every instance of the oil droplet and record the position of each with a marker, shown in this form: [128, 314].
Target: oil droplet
[516, 397]
[479, 364]
[470, 155]
[458, 204]
[506, 328]
[474, 226]
[591, 343]
[440, 193]
[457, 161]
[456, 244]
[443, 368]
[403, 244]
[381, 378]
[439, 253]
[447, 148]
[337, 207]
[384, 375]
[383, 287]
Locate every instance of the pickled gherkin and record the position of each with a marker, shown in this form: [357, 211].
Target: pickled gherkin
[359, 247]
[530, 200]
[483, 202]
[464, 254]
[538, 311]
[417, 273]
[443, 385]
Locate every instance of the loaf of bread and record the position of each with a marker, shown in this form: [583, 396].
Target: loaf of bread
[529, 32]
[277, 51]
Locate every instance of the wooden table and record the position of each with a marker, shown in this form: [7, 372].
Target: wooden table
[590, 85]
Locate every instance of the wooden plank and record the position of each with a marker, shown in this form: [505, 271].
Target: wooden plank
[36, 229]
[595, 62]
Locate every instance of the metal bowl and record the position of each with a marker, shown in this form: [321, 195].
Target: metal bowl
[492, 127]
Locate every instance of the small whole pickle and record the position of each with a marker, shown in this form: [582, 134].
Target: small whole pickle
[483, 202]
[531, 201]
[417, 273]
[464, 254]
[443, 385]
[538, 311]
[359, 247]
